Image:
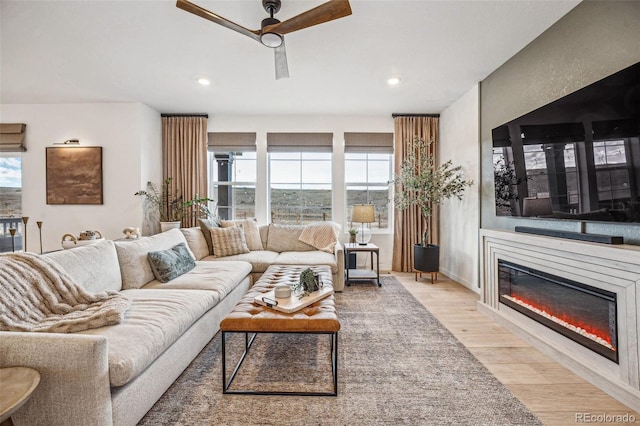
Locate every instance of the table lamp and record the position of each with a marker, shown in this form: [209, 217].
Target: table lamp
[363, 213]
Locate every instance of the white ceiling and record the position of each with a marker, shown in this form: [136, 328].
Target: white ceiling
[152, 52]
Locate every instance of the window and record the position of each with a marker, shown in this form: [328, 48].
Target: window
[368, 170]
[300, 187]
[11, 200]
[232, 174]
[367, 179]
[547, 177]
[300, 177]
[233, 183]
[612, 173]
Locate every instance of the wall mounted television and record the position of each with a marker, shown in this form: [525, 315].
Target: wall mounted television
[576, 158]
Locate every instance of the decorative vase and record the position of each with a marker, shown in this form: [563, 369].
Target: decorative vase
[426, 258]
[165, 226]
[352, 238]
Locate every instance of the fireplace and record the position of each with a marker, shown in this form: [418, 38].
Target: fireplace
[585, 314]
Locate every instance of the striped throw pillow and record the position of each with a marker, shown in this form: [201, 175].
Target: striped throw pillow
[228, 241]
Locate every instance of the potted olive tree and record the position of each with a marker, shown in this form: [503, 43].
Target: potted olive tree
[422, 183]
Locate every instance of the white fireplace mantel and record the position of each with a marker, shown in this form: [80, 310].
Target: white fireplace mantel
[615, 268]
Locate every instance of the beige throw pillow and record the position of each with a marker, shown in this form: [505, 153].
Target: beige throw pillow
[286, 238]
[228, 241]
[251, 232]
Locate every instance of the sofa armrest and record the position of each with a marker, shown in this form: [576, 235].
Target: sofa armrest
[338, 281]
[74, 384]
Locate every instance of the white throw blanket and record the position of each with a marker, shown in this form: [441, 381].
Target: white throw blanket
[36, 294]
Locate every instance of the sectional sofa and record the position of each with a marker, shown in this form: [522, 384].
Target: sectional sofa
[115, 374]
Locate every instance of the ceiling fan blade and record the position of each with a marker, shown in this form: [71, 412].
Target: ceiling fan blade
[282, 68]
[333, 9]
[210, 16]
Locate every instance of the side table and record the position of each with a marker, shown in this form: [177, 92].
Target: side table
[362, 274]
[16, 386]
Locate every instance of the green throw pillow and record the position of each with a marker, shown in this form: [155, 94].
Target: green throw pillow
[169, 264]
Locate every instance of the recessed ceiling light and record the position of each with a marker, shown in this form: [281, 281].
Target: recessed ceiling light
[393, 81]
[204, 81]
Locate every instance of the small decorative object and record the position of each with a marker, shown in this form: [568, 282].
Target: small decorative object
[352, 235]
[12, 231]
[282, 291]
[131, 233]
[308, 283]
[25, 219]
[86, 237]
[39, 223]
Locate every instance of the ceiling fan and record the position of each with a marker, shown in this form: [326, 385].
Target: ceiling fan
[272, 31]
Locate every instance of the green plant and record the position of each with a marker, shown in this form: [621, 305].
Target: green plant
[506, 183]
[307, 284]
[171, 205]
[421, 182]
[353, 231]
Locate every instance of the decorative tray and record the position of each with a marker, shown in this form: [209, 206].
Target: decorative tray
[292, 303]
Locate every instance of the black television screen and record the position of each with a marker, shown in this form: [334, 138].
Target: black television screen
[575, 158]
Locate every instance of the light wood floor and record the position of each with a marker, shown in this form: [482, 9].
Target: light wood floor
[553, 393]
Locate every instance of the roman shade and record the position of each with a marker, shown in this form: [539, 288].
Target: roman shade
[369, 142]
[231, 142]
[299, 142]
[12, 137]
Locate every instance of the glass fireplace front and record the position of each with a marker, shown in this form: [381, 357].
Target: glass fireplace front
[578, 311]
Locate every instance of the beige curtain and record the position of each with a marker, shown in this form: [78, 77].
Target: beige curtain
[408, 224]
[184, 156]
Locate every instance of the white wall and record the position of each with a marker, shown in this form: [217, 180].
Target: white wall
[337, 125]
[460, 219]
[130, 136]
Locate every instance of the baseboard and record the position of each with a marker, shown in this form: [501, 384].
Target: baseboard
[594, 238]
[460, 280]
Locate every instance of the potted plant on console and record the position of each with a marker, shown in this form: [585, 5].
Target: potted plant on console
[422, 183]
[170, 207]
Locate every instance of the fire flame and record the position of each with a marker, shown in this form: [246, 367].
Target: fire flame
[572, 324]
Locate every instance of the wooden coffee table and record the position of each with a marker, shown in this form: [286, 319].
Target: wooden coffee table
[16, 386]
[250, 318]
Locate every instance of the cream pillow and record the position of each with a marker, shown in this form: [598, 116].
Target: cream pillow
[251, 232]
[228, 241]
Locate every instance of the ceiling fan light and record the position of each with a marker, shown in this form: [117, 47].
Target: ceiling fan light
[271, 39]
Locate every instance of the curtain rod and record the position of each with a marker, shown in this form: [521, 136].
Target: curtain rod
[399, 114]
[185, 115]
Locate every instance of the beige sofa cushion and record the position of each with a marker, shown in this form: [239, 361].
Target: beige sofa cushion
[156, 319]
[132, 256]
[316, 257]
[196, 241]
[219, 277]
[95, 266]
[228, 241]
[259, 260]
[283, 238]
[251, 232]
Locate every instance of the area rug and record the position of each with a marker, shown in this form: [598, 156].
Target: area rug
[397, 365]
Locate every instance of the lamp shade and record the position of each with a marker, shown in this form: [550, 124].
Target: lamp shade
[532, 207]
[363, 213]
